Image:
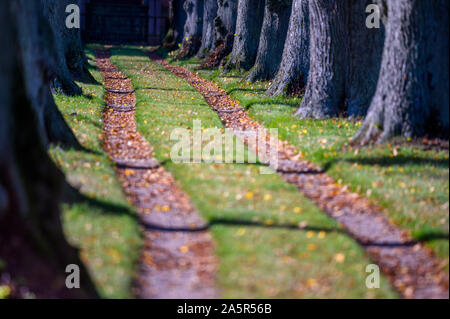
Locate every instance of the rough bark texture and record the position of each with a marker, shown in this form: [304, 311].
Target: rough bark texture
[365, 49]
[412, 93]
[193, 28]
[54, 11]
[30, 184]
[248, 30]
[177, 20]
[224, 29]
[225, 23]
[326, 81]
[344, 60]
[209, 15]
[294, 68]
[271, 42]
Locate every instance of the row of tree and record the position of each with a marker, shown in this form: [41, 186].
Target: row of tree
[40, 55]
[335, 53]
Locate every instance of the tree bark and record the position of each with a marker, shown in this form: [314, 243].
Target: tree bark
[177, 20]
[209, 15]
[54, 11]
[271, 42]
[412, 96]
[345, 59]
[224, 29]
[365, 49]
[30, 182]
[39, 56]
[74, 51]
[193, 28]
[248, 30]
[225, 24]
[294, 68]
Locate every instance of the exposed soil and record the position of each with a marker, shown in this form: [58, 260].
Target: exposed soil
[411, 267]
[178, 256]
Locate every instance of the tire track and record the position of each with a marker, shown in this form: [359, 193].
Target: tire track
[410, 266]
[178, 254]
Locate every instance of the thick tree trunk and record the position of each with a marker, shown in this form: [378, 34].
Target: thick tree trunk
[345, 57]
[325, 90]
[193, 28]
[224, 30]
[30, 184]
[294, 68]
[249, 21]
[38, 54]
[54, 11]
[209, 15]
[365, 49]
[412, 94]
[177, 20]
[75, 57]
[271, 42]
[225, 24]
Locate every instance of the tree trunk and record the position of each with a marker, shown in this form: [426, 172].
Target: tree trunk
[248, 30]
[225, 24]
[209, 15]
[345, 59]
[271, 42]
[30, 182]
[38, 54]
[54, 11]
[177, 20]
[325, 90]
[294, 68]
[412, 94]
[364, 57]
[74, 51]
[193, 28]
[224, 29]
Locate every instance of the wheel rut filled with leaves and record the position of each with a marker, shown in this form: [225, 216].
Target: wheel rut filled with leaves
[411, 267]
[178, 254]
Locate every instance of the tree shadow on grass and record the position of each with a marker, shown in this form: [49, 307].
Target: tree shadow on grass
[267, 101]
[244, 90]
[74, 196]
[386, 161]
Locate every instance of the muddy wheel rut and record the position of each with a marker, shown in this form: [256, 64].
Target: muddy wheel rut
[177, 260]
[410, 266]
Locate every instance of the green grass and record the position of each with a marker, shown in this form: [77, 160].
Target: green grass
[262, 253]
[104, 225]
[410, 184]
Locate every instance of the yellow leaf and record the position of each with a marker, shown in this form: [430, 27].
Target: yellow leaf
[310, 234]
[297, 210]
[321, 234]
[129, 172]
[268, 222]
[267, 197]
[312, 247]
[311, 283]
[184, 249]
[340, 258]
[249, 195]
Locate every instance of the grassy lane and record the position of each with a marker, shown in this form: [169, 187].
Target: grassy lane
[103, 225]
[255, 218]
[410, 183]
